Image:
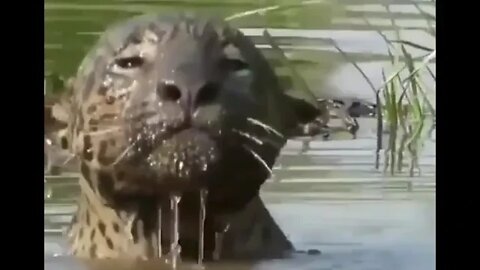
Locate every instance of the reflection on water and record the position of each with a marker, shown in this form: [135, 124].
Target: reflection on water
[329, 197]
[363, 234]
[357, 218]
[351, 234]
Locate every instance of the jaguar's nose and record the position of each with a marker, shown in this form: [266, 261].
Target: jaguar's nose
[190, 99]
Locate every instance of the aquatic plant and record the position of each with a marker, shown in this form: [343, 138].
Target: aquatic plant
[407, 106]
[403, 106]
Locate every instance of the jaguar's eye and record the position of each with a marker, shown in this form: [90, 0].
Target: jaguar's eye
[233, 64]
[130, 62]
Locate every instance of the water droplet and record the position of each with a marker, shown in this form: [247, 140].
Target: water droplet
[180, 165]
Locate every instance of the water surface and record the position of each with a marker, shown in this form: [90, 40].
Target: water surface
[328, 196]
[357, 217]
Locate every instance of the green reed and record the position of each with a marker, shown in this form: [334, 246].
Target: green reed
[403, 106]
[407, 109]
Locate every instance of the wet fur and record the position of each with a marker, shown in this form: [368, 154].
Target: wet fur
[118, 206]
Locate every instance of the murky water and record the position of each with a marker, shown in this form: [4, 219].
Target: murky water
[328, 197]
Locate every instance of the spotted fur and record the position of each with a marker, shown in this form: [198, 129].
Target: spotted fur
[117, 212]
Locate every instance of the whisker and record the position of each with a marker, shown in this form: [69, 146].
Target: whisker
[122, 155]
[264, 126]
[259, 159]
[248, 136]
[256, 140]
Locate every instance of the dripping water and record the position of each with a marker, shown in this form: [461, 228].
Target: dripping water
[159, 232]
[174, 234]
[201, 227]
[218, 242]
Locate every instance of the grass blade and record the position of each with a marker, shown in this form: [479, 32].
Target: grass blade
[264, 10]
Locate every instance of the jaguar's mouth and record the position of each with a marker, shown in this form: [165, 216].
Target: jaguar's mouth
[185, 155]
